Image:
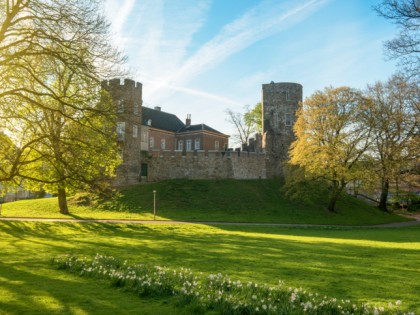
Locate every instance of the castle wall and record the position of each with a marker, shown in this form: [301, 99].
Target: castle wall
[204, 165]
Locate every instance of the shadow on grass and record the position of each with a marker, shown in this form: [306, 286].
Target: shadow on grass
[30, 292]
[311, 258]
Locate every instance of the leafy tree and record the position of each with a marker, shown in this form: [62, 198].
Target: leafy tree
[331, 137]
[253, 118]
[395, 128]
[245, 123]
[53, 56]
[406, 46]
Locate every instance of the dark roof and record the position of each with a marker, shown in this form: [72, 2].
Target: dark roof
[198, 128]
[170, 122]
[161, 120]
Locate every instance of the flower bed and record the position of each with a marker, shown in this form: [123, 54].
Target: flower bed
[213, 292]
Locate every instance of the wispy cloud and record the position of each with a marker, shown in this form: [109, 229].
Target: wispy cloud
[195, 92]
[262, 21]
[157, 35]
[119, 11]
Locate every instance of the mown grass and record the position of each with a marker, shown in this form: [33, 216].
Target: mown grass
[203, 200]
[362, 264]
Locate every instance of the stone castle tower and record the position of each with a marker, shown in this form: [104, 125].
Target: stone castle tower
[280, 102]
[127, 98]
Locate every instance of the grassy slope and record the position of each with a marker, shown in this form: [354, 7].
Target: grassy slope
[201, 200]
[377, 265]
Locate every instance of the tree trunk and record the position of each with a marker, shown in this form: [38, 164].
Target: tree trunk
[384, 195]
[62, 201]
[335, 193]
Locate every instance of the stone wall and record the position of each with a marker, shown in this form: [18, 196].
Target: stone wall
[201, 165]
[280, 101]
[127, 97]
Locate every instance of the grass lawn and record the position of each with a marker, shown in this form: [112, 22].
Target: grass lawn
[362, 264]
[204, 200]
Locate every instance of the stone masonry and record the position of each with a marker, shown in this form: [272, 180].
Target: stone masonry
[280, 102]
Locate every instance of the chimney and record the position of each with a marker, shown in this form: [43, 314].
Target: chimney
[188, 120]
[158, 108]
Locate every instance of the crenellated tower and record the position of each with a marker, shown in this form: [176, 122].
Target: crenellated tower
[127, 98]
[280, 102]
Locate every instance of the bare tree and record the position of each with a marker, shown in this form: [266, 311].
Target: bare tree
[406, 46]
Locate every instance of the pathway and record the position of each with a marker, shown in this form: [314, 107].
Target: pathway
[396, 224]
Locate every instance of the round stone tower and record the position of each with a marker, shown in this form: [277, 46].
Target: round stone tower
[127, 98]
[280, 102]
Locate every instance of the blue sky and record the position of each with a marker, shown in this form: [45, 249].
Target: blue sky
[201, 57]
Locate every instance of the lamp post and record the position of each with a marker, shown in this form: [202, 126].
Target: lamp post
[154, 205]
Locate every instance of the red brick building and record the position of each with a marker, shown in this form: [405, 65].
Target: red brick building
[163, 131]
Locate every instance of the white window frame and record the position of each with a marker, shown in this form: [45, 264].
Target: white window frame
[197, 144]
[121, 130]
[276, 120]
[136, 108]
[144, 136]
[163, 144]
[135, 131]
[216, 145]
[121, 106]
[152, 142]
[180, 145]
[188, 145]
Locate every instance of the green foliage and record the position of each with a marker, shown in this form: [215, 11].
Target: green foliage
[298, 188]
[331, 137]
[253, 118]
[245, 123]
[54, 56]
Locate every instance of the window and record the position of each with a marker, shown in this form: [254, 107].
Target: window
[152, 142]
[216, 145]
[180, 145]
[288, 119]
[135, 130]
[120, 130]
[144, 136]
[189, 145]
[136, 109]
[121, 105]
[163, 144]
[197, 144]
[276, 120]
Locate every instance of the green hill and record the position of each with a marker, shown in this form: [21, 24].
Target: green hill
[208, 200]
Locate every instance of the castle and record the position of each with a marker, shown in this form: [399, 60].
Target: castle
[156, 145]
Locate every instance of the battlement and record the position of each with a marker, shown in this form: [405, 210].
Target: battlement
[200, 154]
[119, 83]
[275, 85]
